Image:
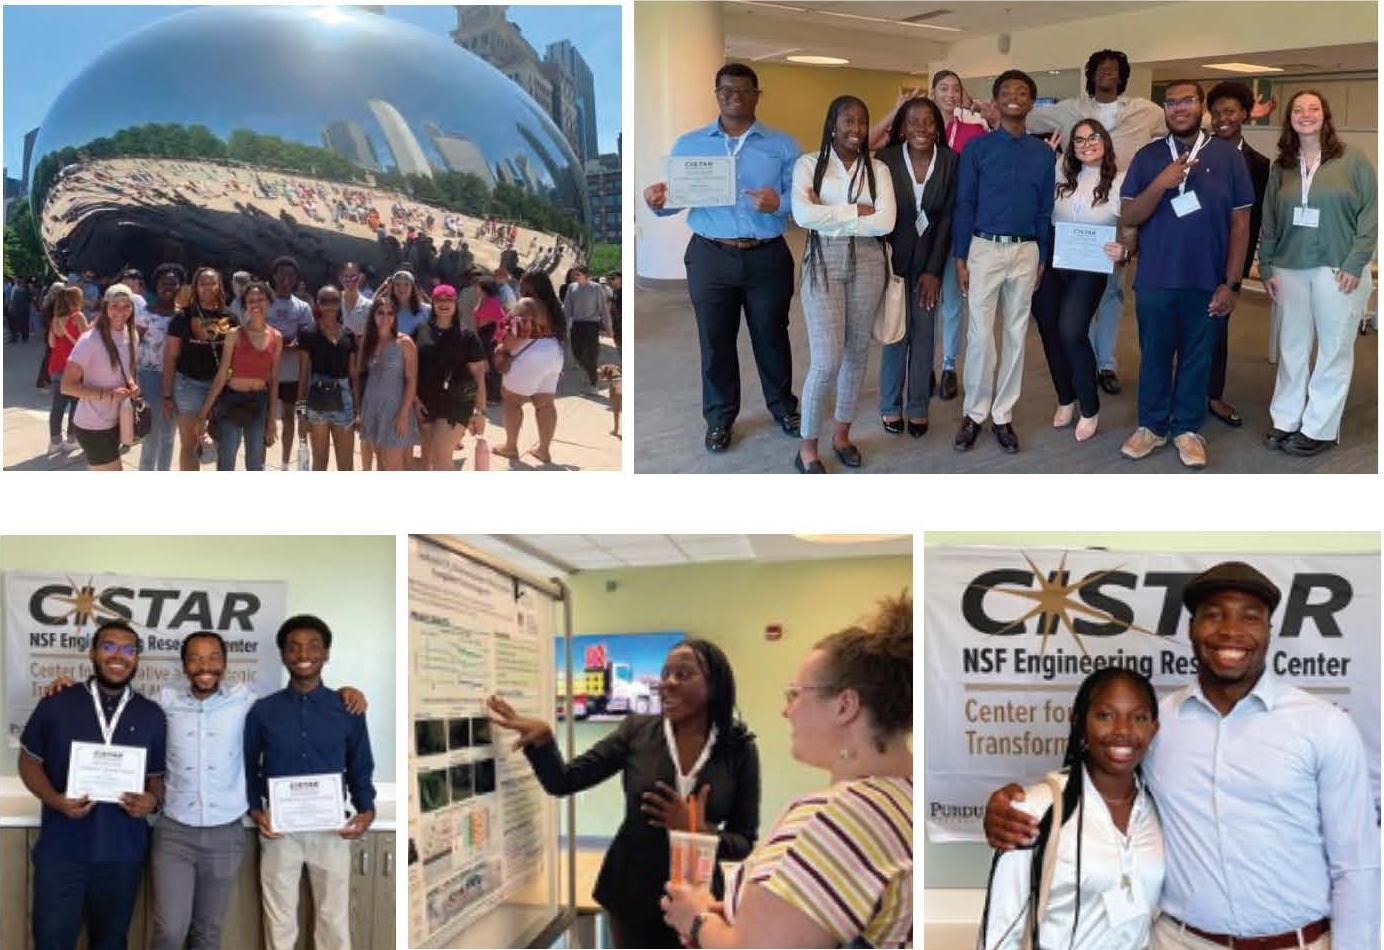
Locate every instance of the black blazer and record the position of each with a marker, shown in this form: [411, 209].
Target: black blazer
[914, 254]
[635, 867]
[1258, 166]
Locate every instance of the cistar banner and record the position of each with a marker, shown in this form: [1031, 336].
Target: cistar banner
[49, 620]
[1009, 634]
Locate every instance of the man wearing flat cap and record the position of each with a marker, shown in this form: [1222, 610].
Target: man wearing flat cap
[1269, 825]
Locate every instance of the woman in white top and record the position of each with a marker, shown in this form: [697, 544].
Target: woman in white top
[1099, 888]
[845, 200]
[1088, 192]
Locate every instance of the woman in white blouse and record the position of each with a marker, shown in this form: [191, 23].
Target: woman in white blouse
[1100, 872]
[845, 200]
[1088, 192]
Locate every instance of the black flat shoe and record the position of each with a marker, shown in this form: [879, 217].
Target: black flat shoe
[1275, 438]
[814, 467]
[1006, 436]
[892, 426]
[789, 423]
[1305, 446]
[1109, 381]
[947, 391]
[966, 435]
[718, 438]
[1231, 418]
[849, 456]
[917, 429]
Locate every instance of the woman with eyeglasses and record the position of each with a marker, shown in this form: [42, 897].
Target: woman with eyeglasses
[244, 395]
[695, 749]
[328, 385]
[1088, 192]
[837, 869]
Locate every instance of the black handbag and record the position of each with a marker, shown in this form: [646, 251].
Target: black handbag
[143, 416]
[236, 407]
[324, 396]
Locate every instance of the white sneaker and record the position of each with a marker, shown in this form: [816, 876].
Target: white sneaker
[69, 446]
[55, 448]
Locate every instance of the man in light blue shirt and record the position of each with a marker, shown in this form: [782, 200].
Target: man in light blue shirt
[1269, 824]
[737, 258]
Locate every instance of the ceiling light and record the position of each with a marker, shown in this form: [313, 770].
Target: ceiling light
[848, 538]
[846, 16]
[817, 60]
[1242, 68]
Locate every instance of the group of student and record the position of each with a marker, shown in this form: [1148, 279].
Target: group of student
[965, 216]
[404, 368]
[210, 751]
[836, 870]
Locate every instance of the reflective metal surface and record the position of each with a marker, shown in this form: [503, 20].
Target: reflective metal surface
[230, 135]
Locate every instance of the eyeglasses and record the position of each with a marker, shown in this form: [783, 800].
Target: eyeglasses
[726, 93]
[127, 650]
[1187, 102]
[1079, 141]
[791, 694]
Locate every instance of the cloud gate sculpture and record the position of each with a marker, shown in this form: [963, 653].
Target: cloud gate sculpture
[231, 135]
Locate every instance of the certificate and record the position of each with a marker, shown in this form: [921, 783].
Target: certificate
[701, 181]
[306, 803]
[1082, 247]
[104, 772]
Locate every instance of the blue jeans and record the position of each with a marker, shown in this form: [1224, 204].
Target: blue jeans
[1176, 337]
[156, 448]
[230, 432]
[911, 357]
[61, 404]
[1105, 329]
[952, 313]
[106, 890]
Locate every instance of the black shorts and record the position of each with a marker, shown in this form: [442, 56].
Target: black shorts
[288, 392]
[101, 446]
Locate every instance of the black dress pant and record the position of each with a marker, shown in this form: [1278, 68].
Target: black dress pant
[1064, 306]
[722, 281]
[1219, 354]
[628, 931]
[586, 346]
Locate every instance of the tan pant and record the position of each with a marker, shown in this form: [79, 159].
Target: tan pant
[1003, 274]
[328, 859]
[1170, 936]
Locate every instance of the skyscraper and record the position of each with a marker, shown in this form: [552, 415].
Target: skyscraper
[570, 60]
[485, 31]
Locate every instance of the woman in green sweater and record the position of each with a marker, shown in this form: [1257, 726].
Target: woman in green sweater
[1320, 231]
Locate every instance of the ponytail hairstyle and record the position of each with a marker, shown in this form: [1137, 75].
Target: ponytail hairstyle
[876, 660]
[854, 188]
[1071, 165]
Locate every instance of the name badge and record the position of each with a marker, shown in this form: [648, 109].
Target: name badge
[921, 222]
[1123, 904]
[1184, 204]
[1306, 217]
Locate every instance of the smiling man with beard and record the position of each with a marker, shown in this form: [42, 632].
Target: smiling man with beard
[304, 730]
[1263, 789]
[89, 857]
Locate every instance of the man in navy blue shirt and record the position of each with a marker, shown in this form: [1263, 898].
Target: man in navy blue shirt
[1000, 239]
[89, 857]
[737, 258]
[1190, 196]
[306, 730]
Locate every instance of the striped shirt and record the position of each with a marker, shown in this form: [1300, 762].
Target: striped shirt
[844, 857]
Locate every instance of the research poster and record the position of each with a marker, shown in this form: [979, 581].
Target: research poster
[50, 618]
[481, 828]
[1010, 633]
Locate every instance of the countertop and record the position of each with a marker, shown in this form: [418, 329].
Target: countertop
[19, 809]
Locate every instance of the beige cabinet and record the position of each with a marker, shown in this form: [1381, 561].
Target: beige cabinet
[373, 873]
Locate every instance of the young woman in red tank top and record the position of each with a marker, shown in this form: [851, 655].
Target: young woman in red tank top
[244, 397]
[65, 329]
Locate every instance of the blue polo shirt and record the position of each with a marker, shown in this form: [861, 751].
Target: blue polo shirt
[765, 160]
[293, 733]
[1188, 253]
[1005, 186]
[106, 833]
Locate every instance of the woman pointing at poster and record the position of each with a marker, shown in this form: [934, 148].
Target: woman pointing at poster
[697, 749]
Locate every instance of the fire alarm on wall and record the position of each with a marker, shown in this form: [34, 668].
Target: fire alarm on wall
[773, 631]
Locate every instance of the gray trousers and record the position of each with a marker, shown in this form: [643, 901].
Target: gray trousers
[839, 308]
[194, 870]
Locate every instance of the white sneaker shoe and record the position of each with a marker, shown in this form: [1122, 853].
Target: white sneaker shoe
[55, 448]
[70, 445]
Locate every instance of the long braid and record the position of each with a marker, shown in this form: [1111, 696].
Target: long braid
[815, 256]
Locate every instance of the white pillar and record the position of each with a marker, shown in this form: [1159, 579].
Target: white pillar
[678, 46]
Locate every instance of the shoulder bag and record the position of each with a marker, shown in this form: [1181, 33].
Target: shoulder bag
[892, 318]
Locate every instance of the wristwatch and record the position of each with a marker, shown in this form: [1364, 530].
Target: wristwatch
[1235, 287]
[694, 935]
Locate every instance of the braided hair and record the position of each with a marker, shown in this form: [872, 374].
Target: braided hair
[854, 187]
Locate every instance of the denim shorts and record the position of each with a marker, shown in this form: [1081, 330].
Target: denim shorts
[339, 417]
[189, 394]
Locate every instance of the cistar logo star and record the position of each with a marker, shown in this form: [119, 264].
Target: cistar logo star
[84, 605]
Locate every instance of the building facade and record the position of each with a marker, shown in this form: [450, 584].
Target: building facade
[486, 32]
[604, 190]
[570, 61]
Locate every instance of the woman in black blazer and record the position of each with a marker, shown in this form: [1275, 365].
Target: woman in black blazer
[917, 156]
[697, 690]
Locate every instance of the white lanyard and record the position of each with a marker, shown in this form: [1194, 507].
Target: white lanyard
[1307, 176]
[686, 782]
[1202, 140]
[108, 728]
[734, 150]
[951, 138]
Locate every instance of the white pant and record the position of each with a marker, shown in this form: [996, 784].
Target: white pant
[1310, 398]
[328, 859]
[1005, 274]
[1170, 936]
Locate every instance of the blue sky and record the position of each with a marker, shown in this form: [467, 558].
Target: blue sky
[38, 67]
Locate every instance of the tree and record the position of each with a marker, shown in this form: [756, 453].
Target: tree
[24, 255]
